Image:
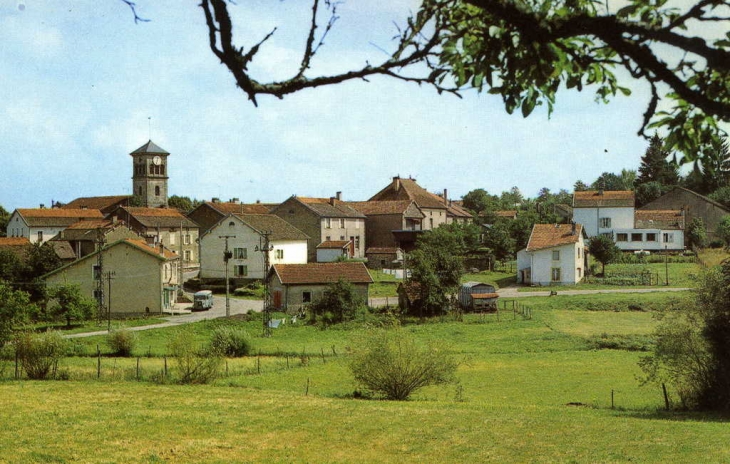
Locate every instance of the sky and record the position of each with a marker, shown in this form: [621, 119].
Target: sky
[82, 86]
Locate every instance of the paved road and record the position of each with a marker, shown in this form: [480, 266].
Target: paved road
[238, 306]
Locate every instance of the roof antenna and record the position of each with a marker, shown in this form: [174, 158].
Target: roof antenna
[149, 127]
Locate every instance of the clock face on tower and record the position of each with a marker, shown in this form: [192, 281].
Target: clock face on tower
[157, 160]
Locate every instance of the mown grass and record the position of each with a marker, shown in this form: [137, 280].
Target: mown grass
[529, 390]
[713, 256]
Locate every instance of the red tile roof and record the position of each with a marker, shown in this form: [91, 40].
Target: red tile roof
[142, 245]
[322, 273]
[334, 244]
[510, 213]
[408, 189]
[77, 213]
[96, 202]
[552, 235]
[603, 199]
[659, 219]
[14, 241]
[373, 208]
[240, 208]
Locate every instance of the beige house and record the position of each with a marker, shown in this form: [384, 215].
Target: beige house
[135, 278]
[42, 224]
[555, 254]
[164, 226]
[325, 220]
[294, 286]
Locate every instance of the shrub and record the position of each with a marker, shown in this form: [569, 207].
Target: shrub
[339, 302]
[122, 342]
[39, 354]
[393, 365]
[194, 365]
[231, 341]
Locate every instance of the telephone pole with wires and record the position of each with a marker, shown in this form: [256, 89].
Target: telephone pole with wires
[265, 248]
[227, 255]
[99, 273]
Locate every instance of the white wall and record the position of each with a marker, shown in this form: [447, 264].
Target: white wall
[571, 264]
[676, 243]
[621, 218]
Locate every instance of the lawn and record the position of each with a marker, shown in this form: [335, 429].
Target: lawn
[529, 390]
[386, 285]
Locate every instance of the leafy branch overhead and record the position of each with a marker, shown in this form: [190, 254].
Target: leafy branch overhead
[524, 51]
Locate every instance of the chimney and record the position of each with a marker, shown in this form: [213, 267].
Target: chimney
[572, 224]
[162, 249]
[338, 196]
[234, 200]
[215, 200]
[446, 197]
[396, 182]
[332, 201]
[258, 202]
[43, 206]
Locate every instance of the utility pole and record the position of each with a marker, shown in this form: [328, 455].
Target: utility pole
[109, 277]
[226, 256]
[100, 242]
[265, 248]
[181, 266]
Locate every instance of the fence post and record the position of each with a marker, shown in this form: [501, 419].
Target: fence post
[98, 362]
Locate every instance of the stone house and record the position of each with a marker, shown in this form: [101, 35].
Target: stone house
[246, 242]
[694, 206]
[163, 226]
[293, 286]
[83, 237]
[105, 204]
[144, 279]
[325, 220]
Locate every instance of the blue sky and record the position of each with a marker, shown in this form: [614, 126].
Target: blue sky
[82, 83]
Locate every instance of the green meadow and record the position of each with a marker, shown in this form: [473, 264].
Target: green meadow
[562, 386]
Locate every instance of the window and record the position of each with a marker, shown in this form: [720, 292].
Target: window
[306, 297]
[637, 237]
[651, 237]
[668, 238]
[327, 223]
[97, 294]
[40, 235]
[240, 270]
[157, 190]
[187, 239]
[342, 223]
[172, 239]
[604, 223]
[328, 238]
[607, 234]
[342, 237]
[357, 223]
[556, 255]
[240, 253]
[139, 191]
[357, 242]
[622, 237]
[96, 271]
[555, 274]
[580, 273]
[188, 256]
[579, 249]
[231, 224]
[279, 254]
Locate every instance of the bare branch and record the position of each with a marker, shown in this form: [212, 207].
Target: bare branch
[137, 18]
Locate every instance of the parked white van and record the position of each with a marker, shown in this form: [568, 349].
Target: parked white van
[203, 300]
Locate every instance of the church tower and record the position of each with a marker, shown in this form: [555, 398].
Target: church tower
[149, 179]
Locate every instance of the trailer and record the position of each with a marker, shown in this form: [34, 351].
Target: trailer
[478, 296]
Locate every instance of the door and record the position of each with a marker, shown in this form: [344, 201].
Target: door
[277, 299]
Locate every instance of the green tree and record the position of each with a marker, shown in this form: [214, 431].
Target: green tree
[15, 309]
[69, 304]
[693, 346]
[339, 302]
[11, 267]
[436, 265]
[498, 238]
[183, 204]
[610, 181]
[722, 196]
[602, 248]
[394, 364]
[697, 234]
[655, 166]
[4, 219]
[648, 192]
[480, 201]
[524, 52]
[723, 230]
[579, 186]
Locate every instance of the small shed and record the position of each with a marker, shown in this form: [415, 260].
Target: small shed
[478, 296]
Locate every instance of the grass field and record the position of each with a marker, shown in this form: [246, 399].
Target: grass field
[529, 390]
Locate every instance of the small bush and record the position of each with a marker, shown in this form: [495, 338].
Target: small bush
[194, 365]
[393, 365]
[39, 354]
[230, 341]
[122, 342]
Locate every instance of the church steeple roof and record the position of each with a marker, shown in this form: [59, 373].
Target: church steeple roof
[150, 147]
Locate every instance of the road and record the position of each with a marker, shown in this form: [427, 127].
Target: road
[239, 306]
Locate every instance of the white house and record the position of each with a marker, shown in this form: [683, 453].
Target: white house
[555, 254]
[612, 213]
[602, 211]
[244, 234]
[42, 224]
